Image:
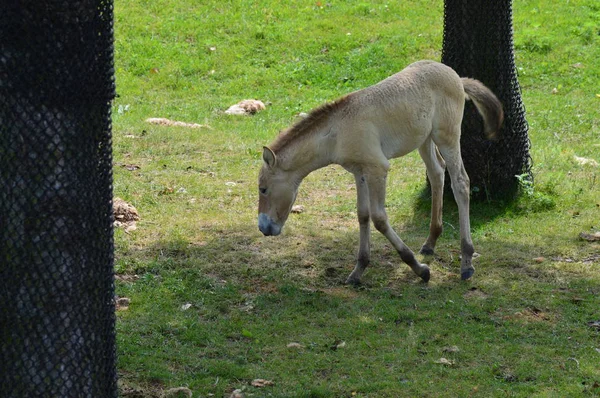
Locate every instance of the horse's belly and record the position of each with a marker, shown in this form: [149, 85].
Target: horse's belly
[401, 143]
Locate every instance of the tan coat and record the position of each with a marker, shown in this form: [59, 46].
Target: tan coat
[421, 108]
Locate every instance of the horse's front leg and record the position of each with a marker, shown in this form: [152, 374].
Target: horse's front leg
[377, 185]
[364, 248]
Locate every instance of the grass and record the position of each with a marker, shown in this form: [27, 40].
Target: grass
[520, 326]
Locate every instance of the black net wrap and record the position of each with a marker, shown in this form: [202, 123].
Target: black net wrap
[478, 43]
[57, 322]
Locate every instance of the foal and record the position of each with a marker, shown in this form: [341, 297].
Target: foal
[421, 108]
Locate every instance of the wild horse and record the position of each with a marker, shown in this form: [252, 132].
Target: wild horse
[419, 107]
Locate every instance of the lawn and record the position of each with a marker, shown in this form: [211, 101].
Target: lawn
[214, 305]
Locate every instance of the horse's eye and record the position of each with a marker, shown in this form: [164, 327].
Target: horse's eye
[263, 191]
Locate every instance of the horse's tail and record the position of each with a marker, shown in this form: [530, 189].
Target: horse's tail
[487, 104]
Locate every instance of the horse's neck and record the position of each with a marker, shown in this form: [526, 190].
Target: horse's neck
[309, 153]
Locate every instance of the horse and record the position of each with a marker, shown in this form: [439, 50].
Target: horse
[421, 107]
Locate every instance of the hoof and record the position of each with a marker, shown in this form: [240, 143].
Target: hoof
[352, 281]
[464, 275]
[426, 251]
[425, 275]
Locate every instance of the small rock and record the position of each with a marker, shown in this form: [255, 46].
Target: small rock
[295, 345]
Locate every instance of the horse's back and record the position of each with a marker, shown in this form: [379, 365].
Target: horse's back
[396, 115]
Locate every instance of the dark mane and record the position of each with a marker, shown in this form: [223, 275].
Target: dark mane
[307, 124]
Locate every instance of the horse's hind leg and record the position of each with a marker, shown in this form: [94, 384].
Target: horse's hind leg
[460, 188]
[364, 250]
[376, 181]
[435, 172]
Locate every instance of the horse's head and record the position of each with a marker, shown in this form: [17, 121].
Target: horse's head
[277, 190]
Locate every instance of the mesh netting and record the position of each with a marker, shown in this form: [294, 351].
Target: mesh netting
[56, 249]
[478, 43]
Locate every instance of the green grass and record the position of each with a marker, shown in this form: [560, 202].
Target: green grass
[521, 324]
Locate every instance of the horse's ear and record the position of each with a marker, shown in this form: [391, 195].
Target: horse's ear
[269, 157]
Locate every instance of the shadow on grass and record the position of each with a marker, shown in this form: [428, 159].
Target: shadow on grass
[311, 256]
[244, 285]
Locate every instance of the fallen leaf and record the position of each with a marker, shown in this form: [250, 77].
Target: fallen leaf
[247, 307]
[586, 161]
[297, 209]
[451, 349]
[123, 211]
[178, 392]
[166, 191]
[595, 237]
[186, 306]
[247, 334]
[122, 303]
[539, 259]
[445, 362]
[246, 107]
[261, 383]
[130, 167]
[161, 121]
[337, 344]
[125, 215]
[127, 278]
[237, 394]
[594, 324]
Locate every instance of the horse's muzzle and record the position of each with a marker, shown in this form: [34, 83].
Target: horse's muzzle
[267, 226]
